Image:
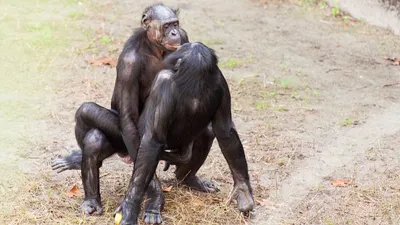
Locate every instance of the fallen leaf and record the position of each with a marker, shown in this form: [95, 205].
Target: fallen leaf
[103, 61]
[166, 189]
[395, 61]
[73, 191]
[340, 183]
[262, 202]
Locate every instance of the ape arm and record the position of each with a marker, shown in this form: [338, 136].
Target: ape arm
[128, 76]
[227, 137]
[156, 116]
[232, 149]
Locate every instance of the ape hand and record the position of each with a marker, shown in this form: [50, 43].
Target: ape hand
[242, 193]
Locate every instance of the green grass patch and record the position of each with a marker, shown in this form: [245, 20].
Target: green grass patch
[232, 63]
[261, 105]
[106, 40]
[76, 15]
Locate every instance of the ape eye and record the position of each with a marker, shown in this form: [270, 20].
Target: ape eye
[176, 24]
[166, 26]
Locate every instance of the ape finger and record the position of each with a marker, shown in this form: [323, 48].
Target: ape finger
[151, 217]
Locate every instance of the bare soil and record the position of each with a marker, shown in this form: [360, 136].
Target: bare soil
[308, 102]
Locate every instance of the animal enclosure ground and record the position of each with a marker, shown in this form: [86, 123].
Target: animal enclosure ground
[307, 94]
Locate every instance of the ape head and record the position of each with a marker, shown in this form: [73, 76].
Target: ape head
[162, 26]
[192, 57]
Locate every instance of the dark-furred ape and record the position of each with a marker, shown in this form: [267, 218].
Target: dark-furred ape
[188, 95]
[102, 132]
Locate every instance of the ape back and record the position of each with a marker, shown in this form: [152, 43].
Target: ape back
[185, 95]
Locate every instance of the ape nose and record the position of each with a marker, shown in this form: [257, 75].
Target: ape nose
[174, 32]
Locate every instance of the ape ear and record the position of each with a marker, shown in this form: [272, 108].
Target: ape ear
[145, 21]
[176, 11]
[178, 64]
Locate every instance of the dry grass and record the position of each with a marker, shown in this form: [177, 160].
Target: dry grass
[271, 115]
[188, 207]
[378, 204]
[373, 197]
[42, 200]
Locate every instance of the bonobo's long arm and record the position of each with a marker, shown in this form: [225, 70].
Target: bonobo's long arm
[128, 72]
[232, 149]
[156, 116]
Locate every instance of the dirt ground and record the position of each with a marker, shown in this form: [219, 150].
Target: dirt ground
[308, 98]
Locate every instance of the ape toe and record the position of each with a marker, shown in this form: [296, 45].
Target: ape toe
[151, 217]
[92, 207]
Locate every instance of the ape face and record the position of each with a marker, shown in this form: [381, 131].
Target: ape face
[162, 26]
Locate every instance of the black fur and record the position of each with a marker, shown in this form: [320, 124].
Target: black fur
[102, 132]
[188, 95]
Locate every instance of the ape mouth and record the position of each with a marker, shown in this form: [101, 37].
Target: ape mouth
[172, 47]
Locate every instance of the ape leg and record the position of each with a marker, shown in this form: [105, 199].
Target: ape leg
[142, 176]
[154, 203]
[97, 145]
[97, 132]
[233, 152]
[91, 116]
[186, 173]
[96, 148]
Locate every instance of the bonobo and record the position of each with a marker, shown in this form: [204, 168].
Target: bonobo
[101, 132]
[187, 95]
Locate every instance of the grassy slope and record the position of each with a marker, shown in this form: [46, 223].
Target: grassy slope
[35, 41]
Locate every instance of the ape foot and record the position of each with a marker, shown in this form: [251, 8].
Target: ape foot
[242, 194]
[60, 165]
[92, 207]
[152, 217]
[201, 184]
[70, 162]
